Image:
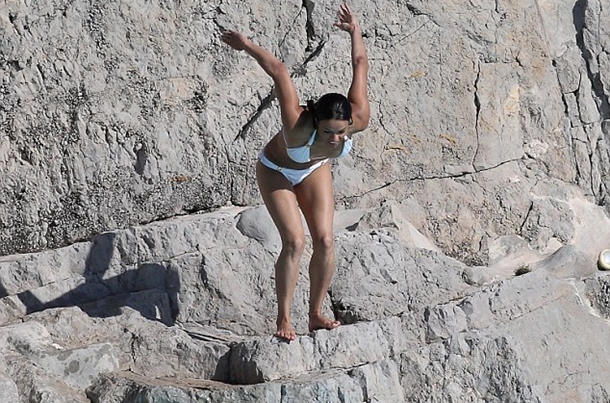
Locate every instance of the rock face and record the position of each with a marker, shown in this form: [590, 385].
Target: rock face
[136, 263]
[479, 110]
[182, 310]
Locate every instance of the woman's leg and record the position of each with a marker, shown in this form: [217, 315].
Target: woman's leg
[281, 202]
[316, 200]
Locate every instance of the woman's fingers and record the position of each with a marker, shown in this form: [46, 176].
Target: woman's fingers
[344, 11]
[233, 39]
[346, 19]
[225, 36]
[230, 35]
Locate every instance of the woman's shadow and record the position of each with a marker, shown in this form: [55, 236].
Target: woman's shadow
[150, 288]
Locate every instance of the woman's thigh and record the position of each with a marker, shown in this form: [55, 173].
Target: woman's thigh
[281, 202]
[316, 200]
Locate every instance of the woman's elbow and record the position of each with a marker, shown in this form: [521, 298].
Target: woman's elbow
[365, 122]
[362, 120]
[277, 69]
[361, 61]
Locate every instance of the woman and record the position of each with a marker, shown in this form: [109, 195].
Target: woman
[293, 170]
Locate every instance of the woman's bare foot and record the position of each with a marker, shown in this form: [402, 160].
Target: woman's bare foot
[318, 321]
[285, 331]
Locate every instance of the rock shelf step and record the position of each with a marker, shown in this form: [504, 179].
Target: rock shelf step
[377, 382]
[269, 359]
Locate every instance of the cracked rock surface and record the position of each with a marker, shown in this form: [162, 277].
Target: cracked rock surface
[182, 310]
[136, 263]
[473, 107]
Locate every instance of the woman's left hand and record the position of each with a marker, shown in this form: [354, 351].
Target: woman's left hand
[347, 22]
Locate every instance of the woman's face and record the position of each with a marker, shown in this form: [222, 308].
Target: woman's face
[333, 131]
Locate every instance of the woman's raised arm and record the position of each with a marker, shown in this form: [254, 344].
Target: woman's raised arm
[284, 87]
[357, 94]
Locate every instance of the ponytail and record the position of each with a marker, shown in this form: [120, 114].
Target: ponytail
[311, 108]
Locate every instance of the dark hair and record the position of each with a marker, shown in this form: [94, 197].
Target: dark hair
[330, 106]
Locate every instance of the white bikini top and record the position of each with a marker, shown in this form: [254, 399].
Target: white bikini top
[302, 154]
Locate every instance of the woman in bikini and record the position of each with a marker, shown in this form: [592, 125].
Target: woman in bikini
[293, 170]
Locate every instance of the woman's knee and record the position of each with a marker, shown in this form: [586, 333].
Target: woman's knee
[324, 243]
[294, 245]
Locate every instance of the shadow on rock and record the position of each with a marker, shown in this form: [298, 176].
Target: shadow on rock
[150, 288]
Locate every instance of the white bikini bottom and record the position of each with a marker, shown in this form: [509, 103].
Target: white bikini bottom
[294, 176]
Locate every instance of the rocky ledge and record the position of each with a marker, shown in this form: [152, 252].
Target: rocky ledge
[182, 311]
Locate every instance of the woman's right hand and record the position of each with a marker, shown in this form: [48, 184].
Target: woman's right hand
[234, 39]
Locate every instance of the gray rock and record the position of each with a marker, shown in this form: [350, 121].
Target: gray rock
[39, 386]
[443, 371]
[470, 211]
[405, 302]
[568, 262]
[389, 216]
[346, 347]
[10, 393]
[79, 367]
[125, 136]
[379, 276]
[376, 382]
[25, 338]
[256, 223]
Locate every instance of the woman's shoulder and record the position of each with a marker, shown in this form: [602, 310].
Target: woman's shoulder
[301, 132]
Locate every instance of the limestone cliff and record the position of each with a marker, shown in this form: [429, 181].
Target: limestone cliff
[136, 260]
